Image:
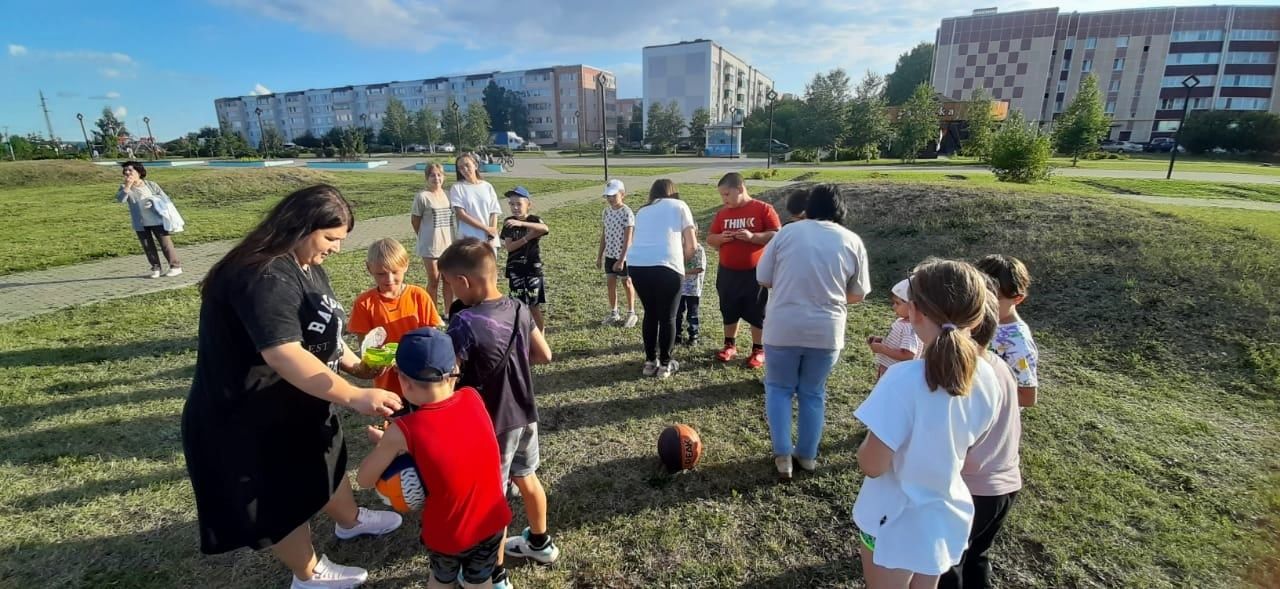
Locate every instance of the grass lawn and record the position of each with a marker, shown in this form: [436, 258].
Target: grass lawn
[621, 170]
[65, 212]
[1149, 462]
[1184, 163]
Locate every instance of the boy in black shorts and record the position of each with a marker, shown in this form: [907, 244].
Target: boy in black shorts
[520, 235]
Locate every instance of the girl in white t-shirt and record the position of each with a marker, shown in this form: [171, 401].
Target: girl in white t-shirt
[913, 512]
[475, 203]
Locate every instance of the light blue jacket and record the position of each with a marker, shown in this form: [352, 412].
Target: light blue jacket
[142, 206]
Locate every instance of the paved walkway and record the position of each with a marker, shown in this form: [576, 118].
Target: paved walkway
[29, 294]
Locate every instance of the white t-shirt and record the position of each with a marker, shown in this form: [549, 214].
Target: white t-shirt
[811, 266]
[992, 467]
[656, 241]
[616, 222]
[920, 510]
[478, 200]
[901, 337]
[1013, 343]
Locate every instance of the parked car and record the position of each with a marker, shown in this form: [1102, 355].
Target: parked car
[1111, 146]
[445, 148]
[776, 146]
[1162, 145]
[530, 146]
[599, 145]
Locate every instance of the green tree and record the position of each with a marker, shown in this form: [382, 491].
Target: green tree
[914, 67]
[788, 125]
[980, 120]
[698, 128]
[664, 126]
[635, 130]
[307, 140]
[23, 148]
[1020, 151]
[518, 114]
[271, 143]
[868, 122]
[826, 99]
[453, 124]
[1084, 124]
[475, 129]
[396, 127]
[108, 133]
[1255, 131]
[350, 142]
[426, 128]
[918, 123]
[495, 104]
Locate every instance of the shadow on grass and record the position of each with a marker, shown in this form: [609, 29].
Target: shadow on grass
[127, 560]
[88, 492]
[604, 412]
[21, 414]
[71, 388]
[842, 571]
[153, 437]
[83, 354]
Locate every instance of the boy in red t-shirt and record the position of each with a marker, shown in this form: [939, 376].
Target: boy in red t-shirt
[740, 231]
[391, 304]
[451, 440]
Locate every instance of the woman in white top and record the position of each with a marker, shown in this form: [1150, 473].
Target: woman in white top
[913, 512]
[474, 202]
[432, 220]
[664, 238]
[814, 269]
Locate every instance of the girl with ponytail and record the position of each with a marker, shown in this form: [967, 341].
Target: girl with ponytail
[914, 512]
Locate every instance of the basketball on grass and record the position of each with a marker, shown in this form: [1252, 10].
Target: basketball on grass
[400, 486]
[679, 448]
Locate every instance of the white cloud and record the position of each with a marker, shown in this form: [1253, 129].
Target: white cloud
[100, 57]
[112, 95]
[109, 72]
[120, 112]
[260, 90]
[17, 50]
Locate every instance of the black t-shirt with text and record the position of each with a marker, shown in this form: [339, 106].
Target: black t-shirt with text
[526, 261]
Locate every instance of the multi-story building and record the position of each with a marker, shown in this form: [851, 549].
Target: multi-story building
[1037, 60]
[563, 103]
[702, 74]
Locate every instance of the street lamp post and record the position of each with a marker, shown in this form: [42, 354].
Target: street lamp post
[604, 130]
[735, 150]
[1188, 82]
[577, 121]
[768, 150]
[457, 126]
[147, 121]
[262, 136]
[87, 146]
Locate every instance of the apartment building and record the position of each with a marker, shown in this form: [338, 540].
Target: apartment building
[1037, 60]
[563, 103]
[702, 74]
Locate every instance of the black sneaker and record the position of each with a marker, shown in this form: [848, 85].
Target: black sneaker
[679, 340]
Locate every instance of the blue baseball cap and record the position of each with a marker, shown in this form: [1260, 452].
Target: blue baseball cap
[519, 191]
[426, 355]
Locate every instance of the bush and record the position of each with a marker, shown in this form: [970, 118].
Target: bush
[617, 149]
[1020, 152]
[763, 174]
[847, 154]
[1103, 155]
[804, 154]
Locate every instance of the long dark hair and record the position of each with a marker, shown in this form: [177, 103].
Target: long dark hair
[293, 219]
[663, 188]
[825, 204]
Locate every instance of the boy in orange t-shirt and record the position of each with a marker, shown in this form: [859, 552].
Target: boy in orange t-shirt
[391, 304]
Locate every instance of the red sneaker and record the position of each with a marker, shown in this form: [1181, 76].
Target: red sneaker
[727, 354]
[756, 359]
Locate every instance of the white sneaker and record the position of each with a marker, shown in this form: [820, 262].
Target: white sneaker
[173, 272]
[612, 319]
[327, 575]
[520, 548]
[369, 522]
[631, 320]
[650, 368]
[783, 464]
[155, 274]
[671, 368]
[806, 464]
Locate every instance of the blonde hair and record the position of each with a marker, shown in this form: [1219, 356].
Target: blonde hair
[387, 253]
[955, 296]
[426, 173]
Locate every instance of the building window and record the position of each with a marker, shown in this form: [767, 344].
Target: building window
[1086, 66]
[1118, 64]
[1192, 58]
[1066, 65]
[1176, 81]
[1166, 126]
[1255, 35]
[1122, 42]
[1237, 103]
[1091, 43]
[1209, 35]
[1248, 81]
[373, 91]
[1266, 57]
[1057, 106]
[1070, 44]
[1111, 107]
[1115, 86]
[1177, 103]
[344, 117]
[1062, 86]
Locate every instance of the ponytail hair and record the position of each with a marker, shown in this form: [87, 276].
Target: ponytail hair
[953, 295]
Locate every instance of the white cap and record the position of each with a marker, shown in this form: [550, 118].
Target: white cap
[902, 289]
[614, 187]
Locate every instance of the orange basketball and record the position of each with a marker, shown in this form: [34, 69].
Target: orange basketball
[400, 486]
[679, 448]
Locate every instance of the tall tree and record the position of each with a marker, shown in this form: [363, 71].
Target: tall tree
[426, 128]
[827, 100]
[453, 123]
[1020, 151]
[518, 114]
[980, 120]
[396, 127]
[271, 143]
[914, 67]
[698, 128]
[495, 104]
[635, 130]
[918, 123]
[869, 124]
[475, 129]
[1084, 124]
[788, 124]
[108, 132]
[665, 124]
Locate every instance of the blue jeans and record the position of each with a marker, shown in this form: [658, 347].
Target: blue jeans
[795, 371]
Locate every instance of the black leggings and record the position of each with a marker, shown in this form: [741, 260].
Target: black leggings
[658, 288]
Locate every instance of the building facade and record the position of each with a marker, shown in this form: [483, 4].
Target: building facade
[702, 74]
[563, 103]
[1037, 59]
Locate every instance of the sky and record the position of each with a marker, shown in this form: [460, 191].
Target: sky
[169, 60]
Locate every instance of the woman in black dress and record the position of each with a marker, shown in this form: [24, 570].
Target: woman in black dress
[262, 437]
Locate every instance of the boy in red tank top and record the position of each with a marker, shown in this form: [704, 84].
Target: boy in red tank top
[451, 440]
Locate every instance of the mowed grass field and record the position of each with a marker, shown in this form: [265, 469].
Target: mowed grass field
[65, 212]
[1131, 161]
[1149, 462]
[621, 170]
